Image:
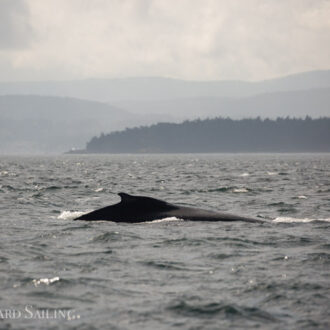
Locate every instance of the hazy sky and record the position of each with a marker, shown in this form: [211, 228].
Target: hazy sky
[189, 39]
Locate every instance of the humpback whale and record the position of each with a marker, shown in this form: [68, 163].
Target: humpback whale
[135, 209]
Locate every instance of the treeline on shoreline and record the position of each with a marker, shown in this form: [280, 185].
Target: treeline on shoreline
[219, 135]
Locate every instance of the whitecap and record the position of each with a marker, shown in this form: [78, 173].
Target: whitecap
[301, 220]
[46, 281]
[302, 197]
[169, 219]
[98, 189]
[240, 190]
[70, 215]
[272, 173]
[244, 174]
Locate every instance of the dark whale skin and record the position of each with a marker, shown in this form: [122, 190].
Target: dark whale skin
[134, 209]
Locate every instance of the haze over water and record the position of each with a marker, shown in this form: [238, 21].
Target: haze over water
[167, 273]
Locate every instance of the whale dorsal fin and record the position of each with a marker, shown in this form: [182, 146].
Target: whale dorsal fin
[145, 202]
[127, 198]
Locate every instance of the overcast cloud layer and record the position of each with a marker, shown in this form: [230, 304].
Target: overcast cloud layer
[189, 39]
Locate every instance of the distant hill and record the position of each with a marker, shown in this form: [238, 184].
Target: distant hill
[219, 135]
[43, 124]
[157, 89]
[55, 116]
[300, 103]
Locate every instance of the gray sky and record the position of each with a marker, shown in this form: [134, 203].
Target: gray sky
[189, 39]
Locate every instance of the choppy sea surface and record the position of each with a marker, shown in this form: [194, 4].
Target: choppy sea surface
[58, 273]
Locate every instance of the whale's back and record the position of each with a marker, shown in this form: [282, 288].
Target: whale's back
[141, 208]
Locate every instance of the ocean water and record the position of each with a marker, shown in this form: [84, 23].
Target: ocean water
[58, 273]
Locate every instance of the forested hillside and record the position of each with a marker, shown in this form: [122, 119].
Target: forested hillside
[219, 135]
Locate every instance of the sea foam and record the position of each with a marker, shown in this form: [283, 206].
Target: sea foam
[70, 215]
[301, 220]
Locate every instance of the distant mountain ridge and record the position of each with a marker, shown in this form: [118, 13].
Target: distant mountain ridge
[157, 88]
[299, 103]
[43, 117]
[48, 124]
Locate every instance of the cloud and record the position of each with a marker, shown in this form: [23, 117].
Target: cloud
[15, 30]
[190, 39]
